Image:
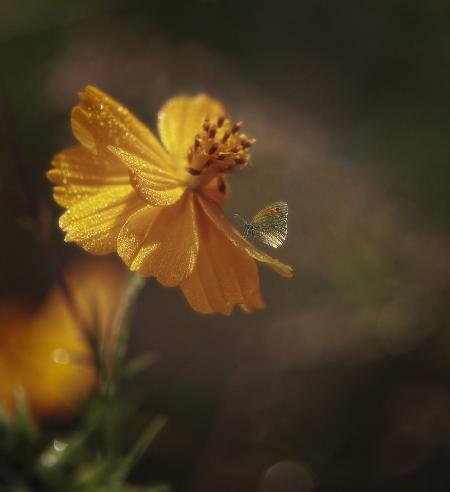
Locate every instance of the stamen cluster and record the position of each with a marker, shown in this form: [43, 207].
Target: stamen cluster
[219, 148]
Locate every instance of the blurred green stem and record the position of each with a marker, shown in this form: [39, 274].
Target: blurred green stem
[139, 448]
[121, 325]
[112, 360]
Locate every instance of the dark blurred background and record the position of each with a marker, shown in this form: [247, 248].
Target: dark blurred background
[343, 382]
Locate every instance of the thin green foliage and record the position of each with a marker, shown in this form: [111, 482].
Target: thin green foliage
[90, 455]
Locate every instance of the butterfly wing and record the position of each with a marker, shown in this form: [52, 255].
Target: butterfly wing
[270, 224]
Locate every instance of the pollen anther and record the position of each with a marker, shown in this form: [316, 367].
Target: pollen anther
[194, 172]
[218, 148]
[212, 131]
[236, 127]
[213, 148]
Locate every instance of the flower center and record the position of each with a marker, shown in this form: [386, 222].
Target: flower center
[218, 148]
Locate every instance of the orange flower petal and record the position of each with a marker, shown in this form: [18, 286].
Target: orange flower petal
[224, 274]
[95, 222]
[180, 119]
[161, 242]
[154, 184]
[99, 121]
[78, 174]
[217, 189]
[215, 214]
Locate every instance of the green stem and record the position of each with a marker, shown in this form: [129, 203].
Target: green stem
[122, 324]
[112, 360]
[139, 448]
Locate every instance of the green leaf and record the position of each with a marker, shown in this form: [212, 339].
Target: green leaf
[157, 487]
[139, 448]
[22, 420]
[139, 364]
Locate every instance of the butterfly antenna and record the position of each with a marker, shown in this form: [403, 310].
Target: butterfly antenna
[240, 218]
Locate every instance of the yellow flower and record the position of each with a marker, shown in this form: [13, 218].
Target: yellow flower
[159, 206]
[44, 355]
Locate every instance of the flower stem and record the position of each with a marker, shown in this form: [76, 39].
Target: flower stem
[112, 364]
[122, 323]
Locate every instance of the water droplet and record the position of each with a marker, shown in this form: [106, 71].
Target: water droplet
[59, 446]
[60, 356]
[48, 459]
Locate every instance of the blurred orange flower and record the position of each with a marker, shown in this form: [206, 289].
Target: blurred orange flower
[158, 205]
[44, 354]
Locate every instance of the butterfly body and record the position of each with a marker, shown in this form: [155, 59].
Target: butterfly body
[269, 225]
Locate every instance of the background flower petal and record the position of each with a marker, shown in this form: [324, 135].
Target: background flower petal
[224, 274]
[161, 242]
[78, 174]
[99, 121]
[95, 222]
[215, 214]
[155, 185]
[180, 119]
[30, 345]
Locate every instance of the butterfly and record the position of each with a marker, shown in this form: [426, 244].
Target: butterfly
[269, 225]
